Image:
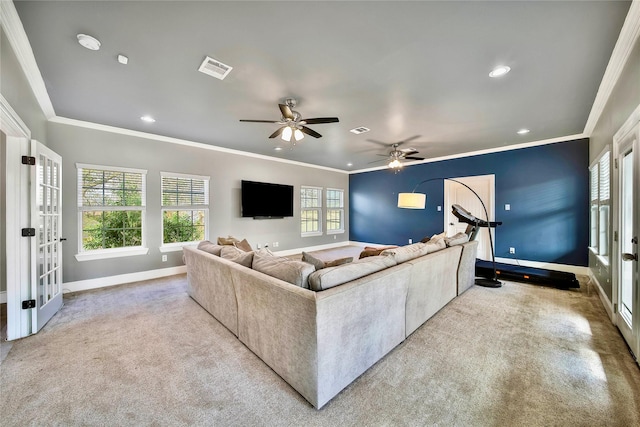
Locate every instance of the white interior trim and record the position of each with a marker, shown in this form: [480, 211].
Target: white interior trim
[110, 253]
[485, 151]
[629, 35]
[12, 124]
[155, 137]
[3, 297]
[608, 305]
[20, 44]
[120, 279]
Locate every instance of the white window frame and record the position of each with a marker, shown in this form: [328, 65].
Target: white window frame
[339, 209]
[96, 254]
[317, 209]
[600, 205]
[177, 246]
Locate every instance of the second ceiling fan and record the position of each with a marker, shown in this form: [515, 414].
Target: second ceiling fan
[293, 125]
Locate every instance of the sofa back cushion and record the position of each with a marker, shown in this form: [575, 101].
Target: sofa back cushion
[334, 276]
[456, 239]
[406, 253]
[292, 271]
[209, 247]
[237, 255]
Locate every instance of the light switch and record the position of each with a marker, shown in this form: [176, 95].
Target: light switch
[439, 208]
[507, 207]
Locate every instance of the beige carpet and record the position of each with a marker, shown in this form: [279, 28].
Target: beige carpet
[146, 354]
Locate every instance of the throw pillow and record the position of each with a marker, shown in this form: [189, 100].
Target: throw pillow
[334, 276]
[227, 240]
[244, 245]
[237, 255]
[457, 239]
[337, 262]
[372, 251]
[209, 247]
[406, 253]
[316, 262]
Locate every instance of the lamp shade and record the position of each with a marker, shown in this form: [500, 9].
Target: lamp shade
[412, 200]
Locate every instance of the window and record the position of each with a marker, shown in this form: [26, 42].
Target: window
[111, 208]
[185, 209]
[600, 202]
[335, 211]
[311, 211]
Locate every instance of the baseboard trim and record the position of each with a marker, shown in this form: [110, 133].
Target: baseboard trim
[120, 279]
[575, 269]
[3, 297]
[608, 305]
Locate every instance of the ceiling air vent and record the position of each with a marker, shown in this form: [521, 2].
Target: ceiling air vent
[214, 68]
[360, 130]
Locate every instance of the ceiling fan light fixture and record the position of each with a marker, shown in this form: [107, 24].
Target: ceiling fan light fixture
[499, 71]
[286, 134]
[298, 135]
[395, 164]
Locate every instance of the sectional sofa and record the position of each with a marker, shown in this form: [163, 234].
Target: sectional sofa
[320, 330]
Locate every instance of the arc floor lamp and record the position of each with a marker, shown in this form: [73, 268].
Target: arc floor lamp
[415, 200]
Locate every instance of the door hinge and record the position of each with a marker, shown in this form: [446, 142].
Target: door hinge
[615, 236]
[615, 163]
[30, 303]
[28, 160]
[28, 232]
[615, 308]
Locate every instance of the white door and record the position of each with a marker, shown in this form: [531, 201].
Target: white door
[455, 193]
[46, 218]
[628, 313]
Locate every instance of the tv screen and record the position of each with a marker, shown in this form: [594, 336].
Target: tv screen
[264, 200]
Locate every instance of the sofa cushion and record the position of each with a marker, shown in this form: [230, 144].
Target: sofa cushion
[334, 276]
[435, 245]
[237, 255]
[209, 247]
[292, 271]
[456, 239]
[406, 253]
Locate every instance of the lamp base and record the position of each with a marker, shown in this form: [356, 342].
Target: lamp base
[489, 283]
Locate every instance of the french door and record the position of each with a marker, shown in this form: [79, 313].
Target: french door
[46, 215]
[626, 247]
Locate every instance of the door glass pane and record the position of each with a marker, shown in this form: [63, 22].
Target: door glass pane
[626, 234]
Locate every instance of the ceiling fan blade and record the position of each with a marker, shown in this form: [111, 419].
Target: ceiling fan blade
[409, 151]
[260, 121]
[377, 161]
[311, 132]
[384, 144]
[278, 132]
[414, 158]
[408, 139]
[286, 111]
[319, 120]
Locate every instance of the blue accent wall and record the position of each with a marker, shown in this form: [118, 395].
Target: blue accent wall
[547, 187]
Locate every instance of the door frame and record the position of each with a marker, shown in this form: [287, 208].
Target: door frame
[18, 135]
[472, 181]
[629, 128]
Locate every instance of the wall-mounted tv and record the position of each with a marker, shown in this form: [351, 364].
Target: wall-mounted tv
[265, 200]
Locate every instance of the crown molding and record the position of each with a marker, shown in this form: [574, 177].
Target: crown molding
[201, 145]
[486, 151]
[10, 122]
[22, 48]
[629, 35]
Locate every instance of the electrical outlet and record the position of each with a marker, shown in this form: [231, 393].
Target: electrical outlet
[164, 258]
[439, 208]
[512, 250]
[335, 237]
[507, 207]
[410, 241]
[258, 246]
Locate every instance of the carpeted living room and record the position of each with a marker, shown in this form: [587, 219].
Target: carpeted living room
[319, 213]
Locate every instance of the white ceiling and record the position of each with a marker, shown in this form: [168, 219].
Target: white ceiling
[399, 68]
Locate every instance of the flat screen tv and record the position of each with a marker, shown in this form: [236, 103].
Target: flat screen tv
[265, 200]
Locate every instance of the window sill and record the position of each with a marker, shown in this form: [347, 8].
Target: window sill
[315, 233]
[335, 232]
[176, 247]
[110, 253]
[604, 261]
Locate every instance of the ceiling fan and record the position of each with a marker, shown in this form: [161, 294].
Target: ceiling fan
[396, 155]
[292, 122]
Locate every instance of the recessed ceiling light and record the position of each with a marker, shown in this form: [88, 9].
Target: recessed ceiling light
[123, 59]
[349, 164]
[499, 71]
[148, 119]
[523, 131]
[89, 42]
[278, 148]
